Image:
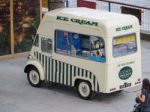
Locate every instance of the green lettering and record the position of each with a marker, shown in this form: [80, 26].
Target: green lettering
[77, 21]
[124, 28]
[80, 21]
[73, 20]
[62, 18]
[95, 23]
[88, 23]
[84, 22]
[118, 29]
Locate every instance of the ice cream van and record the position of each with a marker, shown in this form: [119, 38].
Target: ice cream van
[92, 50]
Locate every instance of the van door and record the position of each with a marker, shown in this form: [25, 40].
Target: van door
[42, 51]
[45, 55]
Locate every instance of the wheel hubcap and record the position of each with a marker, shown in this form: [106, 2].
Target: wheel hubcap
[84, 89]
[34, 77]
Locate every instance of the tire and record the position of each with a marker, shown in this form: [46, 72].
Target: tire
[34, 77]
[84, 90]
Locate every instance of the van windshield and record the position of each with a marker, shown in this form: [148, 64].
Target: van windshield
[124, 45]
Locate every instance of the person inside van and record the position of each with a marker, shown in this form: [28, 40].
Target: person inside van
[75, 41]
[144, 97]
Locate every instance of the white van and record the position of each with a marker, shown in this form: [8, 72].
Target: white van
[92, 50]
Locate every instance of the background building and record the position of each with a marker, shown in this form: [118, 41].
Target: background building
[19, 20]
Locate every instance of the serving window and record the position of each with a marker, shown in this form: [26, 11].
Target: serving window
[80, 45]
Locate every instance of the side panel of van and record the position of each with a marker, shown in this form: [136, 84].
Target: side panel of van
[63, 73]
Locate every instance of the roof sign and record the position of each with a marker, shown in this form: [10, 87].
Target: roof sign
[77, 21]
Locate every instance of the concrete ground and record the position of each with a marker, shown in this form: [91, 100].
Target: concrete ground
[16, 95]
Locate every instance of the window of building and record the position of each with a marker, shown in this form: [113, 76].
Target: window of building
[124, 45]
[46, 45]
[80, 45]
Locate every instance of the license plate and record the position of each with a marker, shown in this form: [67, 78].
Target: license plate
[125, 85]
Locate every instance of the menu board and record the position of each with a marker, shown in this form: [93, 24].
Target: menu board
[124, 39]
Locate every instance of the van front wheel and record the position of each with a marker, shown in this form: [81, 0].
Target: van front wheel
[84, 90]
[34, 77]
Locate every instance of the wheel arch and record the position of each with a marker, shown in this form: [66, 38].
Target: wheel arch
[77, 80]
[93, 82]
[38, 66]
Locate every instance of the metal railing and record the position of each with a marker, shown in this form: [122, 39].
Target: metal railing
[113, 6]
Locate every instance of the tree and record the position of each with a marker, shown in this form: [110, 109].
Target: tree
[54, 4]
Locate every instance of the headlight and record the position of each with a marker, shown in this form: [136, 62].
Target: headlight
[29, 56]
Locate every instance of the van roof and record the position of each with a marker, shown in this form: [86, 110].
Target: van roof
[108, 23]
[89, 14]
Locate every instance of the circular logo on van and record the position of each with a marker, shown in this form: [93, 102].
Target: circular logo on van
[125, 73]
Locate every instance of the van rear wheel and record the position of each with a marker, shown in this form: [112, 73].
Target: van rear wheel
[34, 77]
[84, 90]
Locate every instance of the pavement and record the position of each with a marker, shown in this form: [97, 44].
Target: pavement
[16, 95]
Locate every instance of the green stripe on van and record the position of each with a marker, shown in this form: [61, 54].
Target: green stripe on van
[55, 71]
[48, 69]
[66, 74]
[52, 71]
[97, 87]
[39, 57]
[74, 71]
[90, 75]
[71, 75]
[86, 73]
[46, 66]
[63, 73]
[59, 71]
[94, 81]
[82, 72]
